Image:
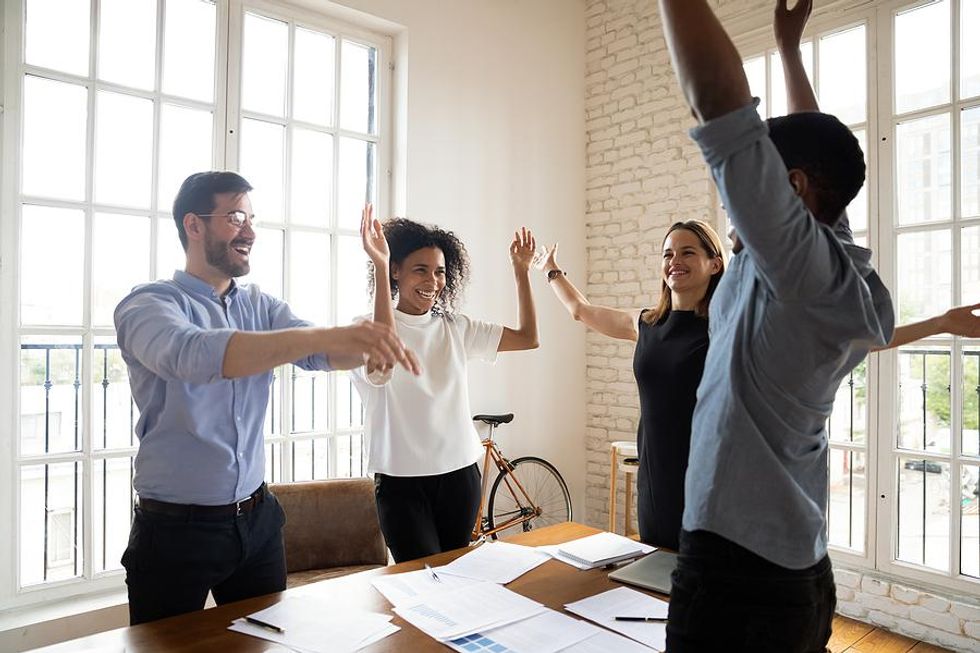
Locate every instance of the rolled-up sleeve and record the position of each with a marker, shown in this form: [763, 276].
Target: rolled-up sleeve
[791, 249]
[281, 317]
[153, 329]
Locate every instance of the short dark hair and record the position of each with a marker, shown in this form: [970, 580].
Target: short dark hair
[196, 195]
[405, 236]
[822, 147]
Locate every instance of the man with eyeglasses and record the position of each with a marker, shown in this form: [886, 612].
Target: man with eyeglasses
[200, 351]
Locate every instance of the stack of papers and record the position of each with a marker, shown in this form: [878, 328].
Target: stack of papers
[495, 562]
[597, 550]
[624, 602]
[312, 626]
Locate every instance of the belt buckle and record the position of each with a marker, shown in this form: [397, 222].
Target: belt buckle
[239, 506]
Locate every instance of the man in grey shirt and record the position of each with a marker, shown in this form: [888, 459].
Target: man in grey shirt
[798, 308]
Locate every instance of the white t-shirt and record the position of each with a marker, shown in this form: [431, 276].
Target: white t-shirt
[422, 425]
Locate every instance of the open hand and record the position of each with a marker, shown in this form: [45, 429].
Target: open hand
[522, 249]
[373, 237]
[788, 23]
[372, 341]
[962, 321]
[547, 259]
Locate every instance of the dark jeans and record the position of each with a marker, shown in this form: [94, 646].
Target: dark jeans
[173, 562]
[422, 515]
[726, 598]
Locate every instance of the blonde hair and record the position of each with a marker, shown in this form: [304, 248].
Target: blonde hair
[711, 244]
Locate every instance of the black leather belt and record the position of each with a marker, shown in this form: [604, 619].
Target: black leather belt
[190, 510]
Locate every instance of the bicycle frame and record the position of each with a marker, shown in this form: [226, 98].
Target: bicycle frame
[528, 509]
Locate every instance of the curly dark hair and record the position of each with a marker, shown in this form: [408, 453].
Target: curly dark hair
[405, 236]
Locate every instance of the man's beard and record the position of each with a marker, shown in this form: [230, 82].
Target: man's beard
[218, 255]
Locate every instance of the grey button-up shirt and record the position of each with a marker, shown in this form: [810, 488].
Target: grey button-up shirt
[200, 434]
[798, 308]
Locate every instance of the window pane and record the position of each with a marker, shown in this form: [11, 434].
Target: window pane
[266, 261]
[969, 48]
[51, 239]
[857, 210]
[112, 510]
[923, 512]
[356, 181]
[120, 260]
[755, 71]
[55, 116]
[57, 34]
[924, 399]
[311, 459]
[848, 492]
[273, 413]
[970, 521]
[170, 253]
[50, 394]
[352, 266]
[843, 75]
[185, 148]
[924, 275]
[778, 84]
[188, 62]
[123, 149]
[264, 58]
[114, 412]
[261, 163]
[312, 178]
[970, 442]
[50, 522]
[350, 413]
[358, 95]
[922, 73]
[348, 456]
[311, 401]
[309, 276]
[127, 42]
[970, 162]
[924, 170]
[970, 251]
[273, 462]
[313, 77]
[849, 419]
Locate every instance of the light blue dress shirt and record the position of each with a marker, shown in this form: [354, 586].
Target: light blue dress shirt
[798, 308]
[200, 434]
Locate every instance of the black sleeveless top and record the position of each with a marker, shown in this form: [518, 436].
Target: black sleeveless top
[668, 364]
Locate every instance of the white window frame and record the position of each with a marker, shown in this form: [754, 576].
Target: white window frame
[225, 108]
[882, 481]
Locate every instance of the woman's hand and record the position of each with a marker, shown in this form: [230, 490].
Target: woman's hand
[373, 238]
[788, 24]
[548, 259]
[522, 250]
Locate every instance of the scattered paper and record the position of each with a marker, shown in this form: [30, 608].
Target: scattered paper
[625, 602]
[548, 632]
[496, 562]
[400, 589]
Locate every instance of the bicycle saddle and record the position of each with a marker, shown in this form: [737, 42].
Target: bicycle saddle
[495, 420]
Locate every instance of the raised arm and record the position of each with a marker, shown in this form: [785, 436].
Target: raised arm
[526, 334]
[610, 322]
[708, 67]
[960, 321]
[788, 25]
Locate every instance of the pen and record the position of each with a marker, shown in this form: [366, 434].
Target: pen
[660, 620]
[264, 624]
[433, 574]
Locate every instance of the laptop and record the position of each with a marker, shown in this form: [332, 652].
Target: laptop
[652, 572]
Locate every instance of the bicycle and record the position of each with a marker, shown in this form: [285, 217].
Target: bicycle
[528, 492]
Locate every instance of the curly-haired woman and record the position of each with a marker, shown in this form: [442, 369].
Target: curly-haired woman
[422, 445]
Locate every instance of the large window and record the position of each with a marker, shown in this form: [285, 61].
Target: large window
[904, 473]
[109, 104]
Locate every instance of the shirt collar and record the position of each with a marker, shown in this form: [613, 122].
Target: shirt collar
[199, 287]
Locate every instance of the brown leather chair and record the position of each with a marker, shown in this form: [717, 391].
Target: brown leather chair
[331, 529]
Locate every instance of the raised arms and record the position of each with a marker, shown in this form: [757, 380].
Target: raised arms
[526, 335]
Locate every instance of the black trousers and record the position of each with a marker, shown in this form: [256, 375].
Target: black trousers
[173, 562]
[726, 598]
[422, 515]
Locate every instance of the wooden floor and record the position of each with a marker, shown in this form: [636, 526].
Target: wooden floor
[855, 637]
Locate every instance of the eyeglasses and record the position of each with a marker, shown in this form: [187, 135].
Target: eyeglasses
[237, 219]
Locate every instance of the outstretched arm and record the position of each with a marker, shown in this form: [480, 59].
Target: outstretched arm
[959, 321]
[788, 24]
[607, 321]
[526, 334]
[708, 67]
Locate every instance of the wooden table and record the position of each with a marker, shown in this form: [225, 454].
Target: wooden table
[554, 584]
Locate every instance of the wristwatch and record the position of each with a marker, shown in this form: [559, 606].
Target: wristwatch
[554, 274]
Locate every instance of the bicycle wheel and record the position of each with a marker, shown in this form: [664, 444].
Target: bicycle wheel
[546, 489]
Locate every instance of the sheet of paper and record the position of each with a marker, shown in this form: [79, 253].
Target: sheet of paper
[606, 642]
[548, 632]
[552, 550]
[496, 562]
[595, 549]
[313, 625]
[403, 588]
[625, 602]
[467, 610]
